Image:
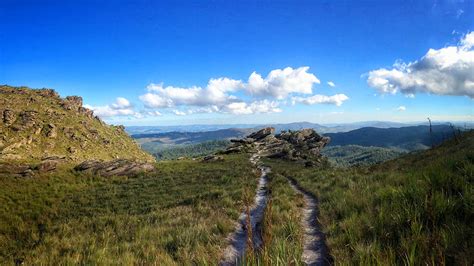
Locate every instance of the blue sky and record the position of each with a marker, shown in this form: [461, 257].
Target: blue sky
[150, 62]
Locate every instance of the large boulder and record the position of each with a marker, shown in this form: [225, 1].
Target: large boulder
[262, 133]
[119, 167]
[72, 103]
[212, 158]
[9, 117]
[27, 120]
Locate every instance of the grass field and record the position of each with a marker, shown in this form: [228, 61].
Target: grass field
[417, 209]
[179, 215]
[414, 210]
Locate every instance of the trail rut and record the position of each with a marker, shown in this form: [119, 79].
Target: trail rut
[234, 253]
[315, 250]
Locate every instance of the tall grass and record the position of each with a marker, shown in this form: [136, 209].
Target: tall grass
[415, 210]
[179, 215]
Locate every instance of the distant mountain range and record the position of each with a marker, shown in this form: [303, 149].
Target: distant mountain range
[407, 138]
[178, 138]
[320, 128]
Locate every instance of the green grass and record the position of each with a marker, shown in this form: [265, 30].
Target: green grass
[415, 210]
[283, 224]
[179, 215]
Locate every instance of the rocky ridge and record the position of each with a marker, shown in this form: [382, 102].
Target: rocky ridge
[303, 145]
[40, 129]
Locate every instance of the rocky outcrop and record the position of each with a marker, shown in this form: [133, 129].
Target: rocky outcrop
[48, 93]
[9, 117]
[27, 120]
[51, 131]
[119, 167]
[303, 145]
[47, 164]
[262, 133]
[38, 122]
[72, 103]
[212, 158]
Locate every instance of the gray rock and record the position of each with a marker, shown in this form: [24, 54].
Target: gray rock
[72, 103]
[262, 133]
[27, 120]
[51, 131]
[9, 117]
[212, 158]
[119, 167]
[302, 145]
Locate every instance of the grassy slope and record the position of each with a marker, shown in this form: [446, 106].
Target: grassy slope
[93, 138]
[415, 210]
[179, 215]
[171, 152]
[354, 155]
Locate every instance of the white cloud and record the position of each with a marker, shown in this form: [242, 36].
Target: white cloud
[263, 106]
[216, 92]
[151, 100]
[222, 94]
[121, 107]
[178, 112]
[336, 99]
[152, 113]
[279, 83]
[446, 71]
[401, 108]
[331, 84]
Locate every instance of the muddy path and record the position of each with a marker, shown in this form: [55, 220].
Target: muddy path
[236, 249]
[315, 250]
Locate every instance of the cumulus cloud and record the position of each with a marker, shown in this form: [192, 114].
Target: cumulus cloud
[216, 92]
[243, 108]
[121, 107]
[446, 71]
[279, 83]
[226, 95]
[401, 108]
[331, 84]
[336, 99]
[178, 112]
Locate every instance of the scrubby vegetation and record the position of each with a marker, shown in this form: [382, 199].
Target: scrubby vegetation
[167, 152]
[179, 215]
[414, 210]
[354, 155]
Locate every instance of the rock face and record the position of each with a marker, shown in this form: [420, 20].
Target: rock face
[118, 167]
[302, 145]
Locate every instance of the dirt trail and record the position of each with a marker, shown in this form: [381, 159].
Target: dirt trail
[315, 251]
[234, 253]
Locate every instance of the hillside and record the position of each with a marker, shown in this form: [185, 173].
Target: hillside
[413, 210]
[408, 138]
[354, 155]
[35, 124]
[190, 137]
